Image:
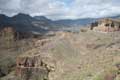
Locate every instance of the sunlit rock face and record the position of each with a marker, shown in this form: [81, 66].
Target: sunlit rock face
[106, 25]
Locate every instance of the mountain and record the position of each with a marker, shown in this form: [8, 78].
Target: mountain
[42, 18]
[42, 21]
[81, 22]
[115, 17]
[22, 16]
[77, 22]
[40, 24]
[4, 20]
[21, 22]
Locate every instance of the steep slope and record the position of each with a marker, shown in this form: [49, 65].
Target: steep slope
[12, 44]
[77, 56]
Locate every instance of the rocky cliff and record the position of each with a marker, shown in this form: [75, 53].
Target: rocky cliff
[106, 25]
[33, 67]
[7, 37]
[12, 44]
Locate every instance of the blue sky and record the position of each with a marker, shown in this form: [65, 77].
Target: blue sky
[62, 9]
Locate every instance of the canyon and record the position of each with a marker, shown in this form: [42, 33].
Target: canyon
[70, 56]
[84, 54]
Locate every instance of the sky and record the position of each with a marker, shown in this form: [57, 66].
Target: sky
[61, 9]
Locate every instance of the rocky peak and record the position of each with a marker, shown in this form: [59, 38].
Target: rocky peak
[21, 16]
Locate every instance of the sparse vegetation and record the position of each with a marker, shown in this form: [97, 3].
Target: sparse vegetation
[82, 56]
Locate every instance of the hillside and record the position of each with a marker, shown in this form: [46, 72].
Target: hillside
[37, 48]
[21, 22]
[72, 56]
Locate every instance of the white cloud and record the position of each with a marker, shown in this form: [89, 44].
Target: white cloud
[94, 8]
[61, 9]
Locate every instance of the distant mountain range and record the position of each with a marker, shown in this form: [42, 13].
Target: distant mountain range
[40, 24]
[20, 22]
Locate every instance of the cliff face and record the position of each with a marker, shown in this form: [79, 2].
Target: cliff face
[12, 44]
[106, 25]
[7, 37]
[33, 67]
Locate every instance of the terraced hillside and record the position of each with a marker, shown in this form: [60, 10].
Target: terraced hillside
[86, 55]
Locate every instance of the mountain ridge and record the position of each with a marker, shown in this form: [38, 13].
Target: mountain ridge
[41, 24]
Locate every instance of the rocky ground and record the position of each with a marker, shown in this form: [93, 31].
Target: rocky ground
[86, 55]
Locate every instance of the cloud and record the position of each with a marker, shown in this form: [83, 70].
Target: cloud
[95, 8]
[62, 9]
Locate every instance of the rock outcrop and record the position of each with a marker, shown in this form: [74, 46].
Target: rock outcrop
[33, 67]
[12, 44]
[106, 25]
[7, 37]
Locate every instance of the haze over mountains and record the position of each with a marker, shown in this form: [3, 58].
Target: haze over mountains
[40, 24]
